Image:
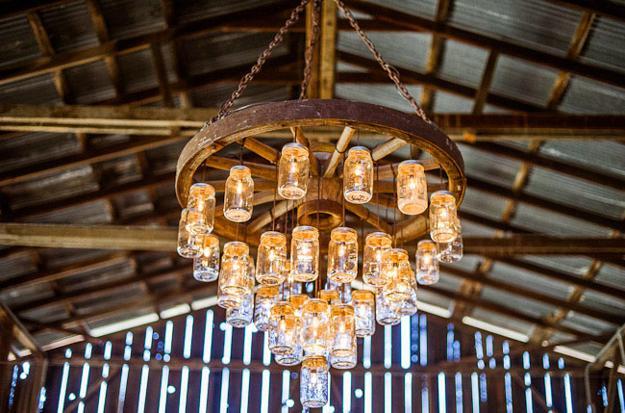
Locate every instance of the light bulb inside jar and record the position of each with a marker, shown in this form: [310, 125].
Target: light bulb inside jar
[376, 244]
[284, 331]
[444, 223]
[427, 263]
[293, 170]
[343, 337]
[305, 254]
[411, 185]
[358, 176]
[343, 255]
[201, 206]
[271, 258]
[206, 266]
[189, 244]
[236, 278]
[364, 312]
[266, 297]
[314, 382]
[315, 325]
[239, 194]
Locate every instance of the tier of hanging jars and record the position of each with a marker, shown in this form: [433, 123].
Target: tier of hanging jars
[317, 332]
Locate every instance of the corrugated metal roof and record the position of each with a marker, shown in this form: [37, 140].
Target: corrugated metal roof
[606, 156]
[577, 193]
[424, 8]
[529, 280]
[589, 96]
[34, 90]
[528, 82]
[138, 71]
[462, 63]
[69, 27]
[18, 152]
[606, 45]
[96, 76]
[127, 18]
[17, 41]
[489, 167]
[548, 222]
[200, 9]
[535, 23]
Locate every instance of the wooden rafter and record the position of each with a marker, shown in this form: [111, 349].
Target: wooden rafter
[327, 50]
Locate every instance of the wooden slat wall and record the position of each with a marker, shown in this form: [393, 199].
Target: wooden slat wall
[444, 343]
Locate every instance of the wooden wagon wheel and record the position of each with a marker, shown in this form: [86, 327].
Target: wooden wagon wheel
[249, 125]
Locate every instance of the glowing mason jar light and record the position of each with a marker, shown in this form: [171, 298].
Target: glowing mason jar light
[235, 278]
[358, 175]
[408, 307]
[315, 327]
[412, 193]
[266, 297]
[239, 194]
[343, 255]
[305, 254]
[241, 316]
[293, 171]
[189, 244]
[314, 382]
[387, 312]
[444, 223]
[271, 258]
[284, 331]
[376, 244]
[206, 266]
[427, 263]
[343, 337]
[451, 251]
[201, 206]
[364, 312]
[330, 296]
[395, 265]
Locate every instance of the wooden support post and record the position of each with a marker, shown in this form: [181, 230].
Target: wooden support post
[327, 53]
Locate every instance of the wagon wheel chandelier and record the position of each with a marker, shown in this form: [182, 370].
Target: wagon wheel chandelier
[314, 320]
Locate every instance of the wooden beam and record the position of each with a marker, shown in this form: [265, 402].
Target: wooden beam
[327, 50]
[412, 22]
[386, 148]
[164, 239]
[487, 79]
[267, 172]
[341, 146]
[18, 331]
[262, 149]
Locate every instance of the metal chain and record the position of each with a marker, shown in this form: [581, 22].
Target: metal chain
[310, 48]
[277, 39]
[392, 72]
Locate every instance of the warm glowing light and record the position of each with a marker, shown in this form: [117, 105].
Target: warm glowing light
[206, 266]
[444, 223]
[201, 206]
[427, 263]
[189, 244]
[305, 254]
[239, 194]
[315, 327]
[364, 312]
[358, 176]
[412, 193]
[293, 170]
[235, 278]
[242, 315]
[314, 382]
[343, 331]
[451, 252]
[343, 255]
[387, 312]
[284, 331]
[266, 297]
[271, 258]
[376, 244]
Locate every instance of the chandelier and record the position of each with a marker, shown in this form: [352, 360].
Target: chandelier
[291, 291]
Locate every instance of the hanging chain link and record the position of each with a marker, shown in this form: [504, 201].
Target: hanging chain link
[310, 49]
[277, 39]
[392, 72]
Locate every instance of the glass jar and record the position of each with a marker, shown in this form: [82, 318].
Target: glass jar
[330, 296]
[293, 171]
[444, 223]
[206, 266]
[266, 297]
[408, 307]
[358, 175]
[387, 312]
[271, 258]
[427, 263]
[305, 254]
[315, 326]
[364, 312]
[412, 191]
[292, 358]
[242, 315]
[201, 206]
[376, 244]
[239, 194]
[343, 337]
[284, 331]
[189, 244]
[343, 255]
[314, 383]
[400, 287]
[450, 252]
[298, 301]
[235, 278]
[394, 266]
